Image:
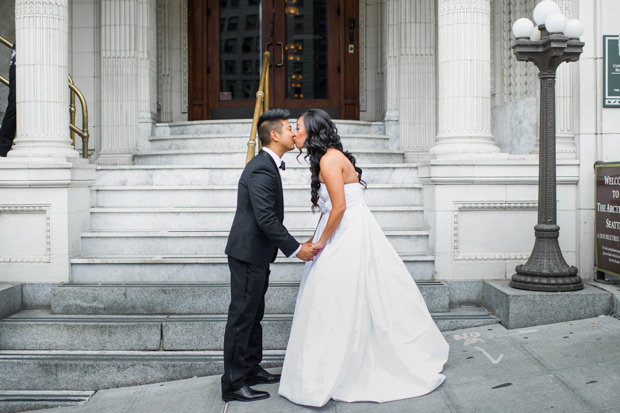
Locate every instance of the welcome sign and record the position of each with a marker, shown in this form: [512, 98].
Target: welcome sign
[611, 58]
[607, 217]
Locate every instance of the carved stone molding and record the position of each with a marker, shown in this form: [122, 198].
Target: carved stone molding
[460, 207]
[29, 209]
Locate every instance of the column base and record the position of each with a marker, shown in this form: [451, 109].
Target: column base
[466, 147]
[45, 208]
[115, 159]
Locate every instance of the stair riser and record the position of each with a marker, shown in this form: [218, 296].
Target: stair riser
[179, 197]
[137, 273]
[203, 245]
[162, 299]
[230, 176]
[238, 158]
[80, 336]
[177, 333]
[243, 127]
[238, 143]
[92, 373]
[222, 221]
[208, 335]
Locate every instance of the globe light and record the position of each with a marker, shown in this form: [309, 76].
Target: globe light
[555, 23]
[522, 28]
[535, 36]
[574, 29]
[544, 9]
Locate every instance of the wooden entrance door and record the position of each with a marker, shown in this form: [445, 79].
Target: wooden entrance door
[314, 56]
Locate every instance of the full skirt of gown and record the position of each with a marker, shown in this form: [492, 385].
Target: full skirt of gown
[361, 329]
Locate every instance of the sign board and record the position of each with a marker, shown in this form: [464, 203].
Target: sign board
[611, 64]
[607, 217]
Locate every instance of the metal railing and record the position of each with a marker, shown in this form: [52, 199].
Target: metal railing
[73, 92]
[262, 105]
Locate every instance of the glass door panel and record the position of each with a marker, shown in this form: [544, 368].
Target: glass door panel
[240, 49]
[306, 46]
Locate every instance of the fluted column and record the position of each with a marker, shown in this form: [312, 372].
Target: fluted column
[41, 31]
[147, 61]
[119, 82]
[464, 94]
[565, 135]
[164, 67]
[417, 77]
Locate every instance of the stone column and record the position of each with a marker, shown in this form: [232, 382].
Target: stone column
[164, 66]
[41, 30]
[417, 78]
[565, 135]
[44, 184]
[147, 61]
[120, 84]
[391, 37]
[464, 81]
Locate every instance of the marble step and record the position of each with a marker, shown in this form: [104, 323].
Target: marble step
[191, 298]
[237, 157]
[169, 175]
[244, 126]
[220, 219]
[42, 330]
[226, 196]
[209, 242]
[240, 142]
[192, 268]
[30, 400]
[93, 370]
[10, 299]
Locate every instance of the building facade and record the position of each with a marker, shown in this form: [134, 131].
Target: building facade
[439, 75]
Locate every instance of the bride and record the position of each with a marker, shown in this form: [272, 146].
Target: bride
[361, 330]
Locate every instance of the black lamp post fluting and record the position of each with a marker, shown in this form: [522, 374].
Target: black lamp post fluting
[546, 269]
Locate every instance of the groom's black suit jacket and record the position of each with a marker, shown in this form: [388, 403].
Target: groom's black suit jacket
[257, 231]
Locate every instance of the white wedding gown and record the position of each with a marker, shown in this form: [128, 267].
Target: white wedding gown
[361, 330]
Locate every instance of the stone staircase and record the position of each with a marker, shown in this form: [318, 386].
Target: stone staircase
[150, 293]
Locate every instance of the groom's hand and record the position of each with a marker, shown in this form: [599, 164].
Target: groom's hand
[306, 253]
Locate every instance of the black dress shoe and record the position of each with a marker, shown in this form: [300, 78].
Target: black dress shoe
[245, 394]
[262, 377]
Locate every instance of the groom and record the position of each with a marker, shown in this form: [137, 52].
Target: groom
[255, 237]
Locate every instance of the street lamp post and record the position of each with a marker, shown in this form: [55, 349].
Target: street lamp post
[553, 41]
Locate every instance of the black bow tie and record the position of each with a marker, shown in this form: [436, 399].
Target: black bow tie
[282, 165]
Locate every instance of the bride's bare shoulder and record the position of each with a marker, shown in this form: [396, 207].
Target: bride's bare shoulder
[333, 155]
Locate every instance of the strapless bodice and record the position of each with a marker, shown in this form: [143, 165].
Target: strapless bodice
[353, 195]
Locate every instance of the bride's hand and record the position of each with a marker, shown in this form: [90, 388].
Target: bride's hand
[318, 247]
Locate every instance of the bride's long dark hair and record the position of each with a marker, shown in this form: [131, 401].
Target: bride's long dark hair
[322, 134]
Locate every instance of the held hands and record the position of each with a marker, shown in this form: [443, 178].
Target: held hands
[306, 253]
[318, 247]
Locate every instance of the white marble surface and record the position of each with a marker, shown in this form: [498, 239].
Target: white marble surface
[515, 126]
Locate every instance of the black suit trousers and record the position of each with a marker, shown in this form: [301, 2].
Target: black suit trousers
[243, 338]
[7, 131]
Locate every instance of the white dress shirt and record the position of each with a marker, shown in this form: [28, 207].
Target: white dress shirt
[278, 162]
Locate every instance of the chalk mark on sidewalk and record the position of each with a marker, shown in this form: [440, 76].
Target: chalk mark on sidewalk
[491, 359]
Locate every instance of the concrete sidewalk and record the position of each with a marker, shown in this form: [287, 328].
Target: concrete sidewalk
[565, 367]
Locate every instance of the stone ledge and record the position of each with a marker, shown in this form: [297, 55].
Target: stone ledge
[10, 299]
[520, 308]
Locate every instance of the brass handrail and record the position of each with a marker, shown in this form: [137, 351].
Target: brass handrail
[84, 131]
[73, 91]
[262, 105]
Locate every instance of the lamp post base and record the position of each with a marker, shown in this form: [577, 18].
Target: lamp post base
[546, 269]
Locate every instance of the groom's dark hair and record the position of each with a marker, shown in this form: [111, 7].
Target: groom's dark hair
[271, 121]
